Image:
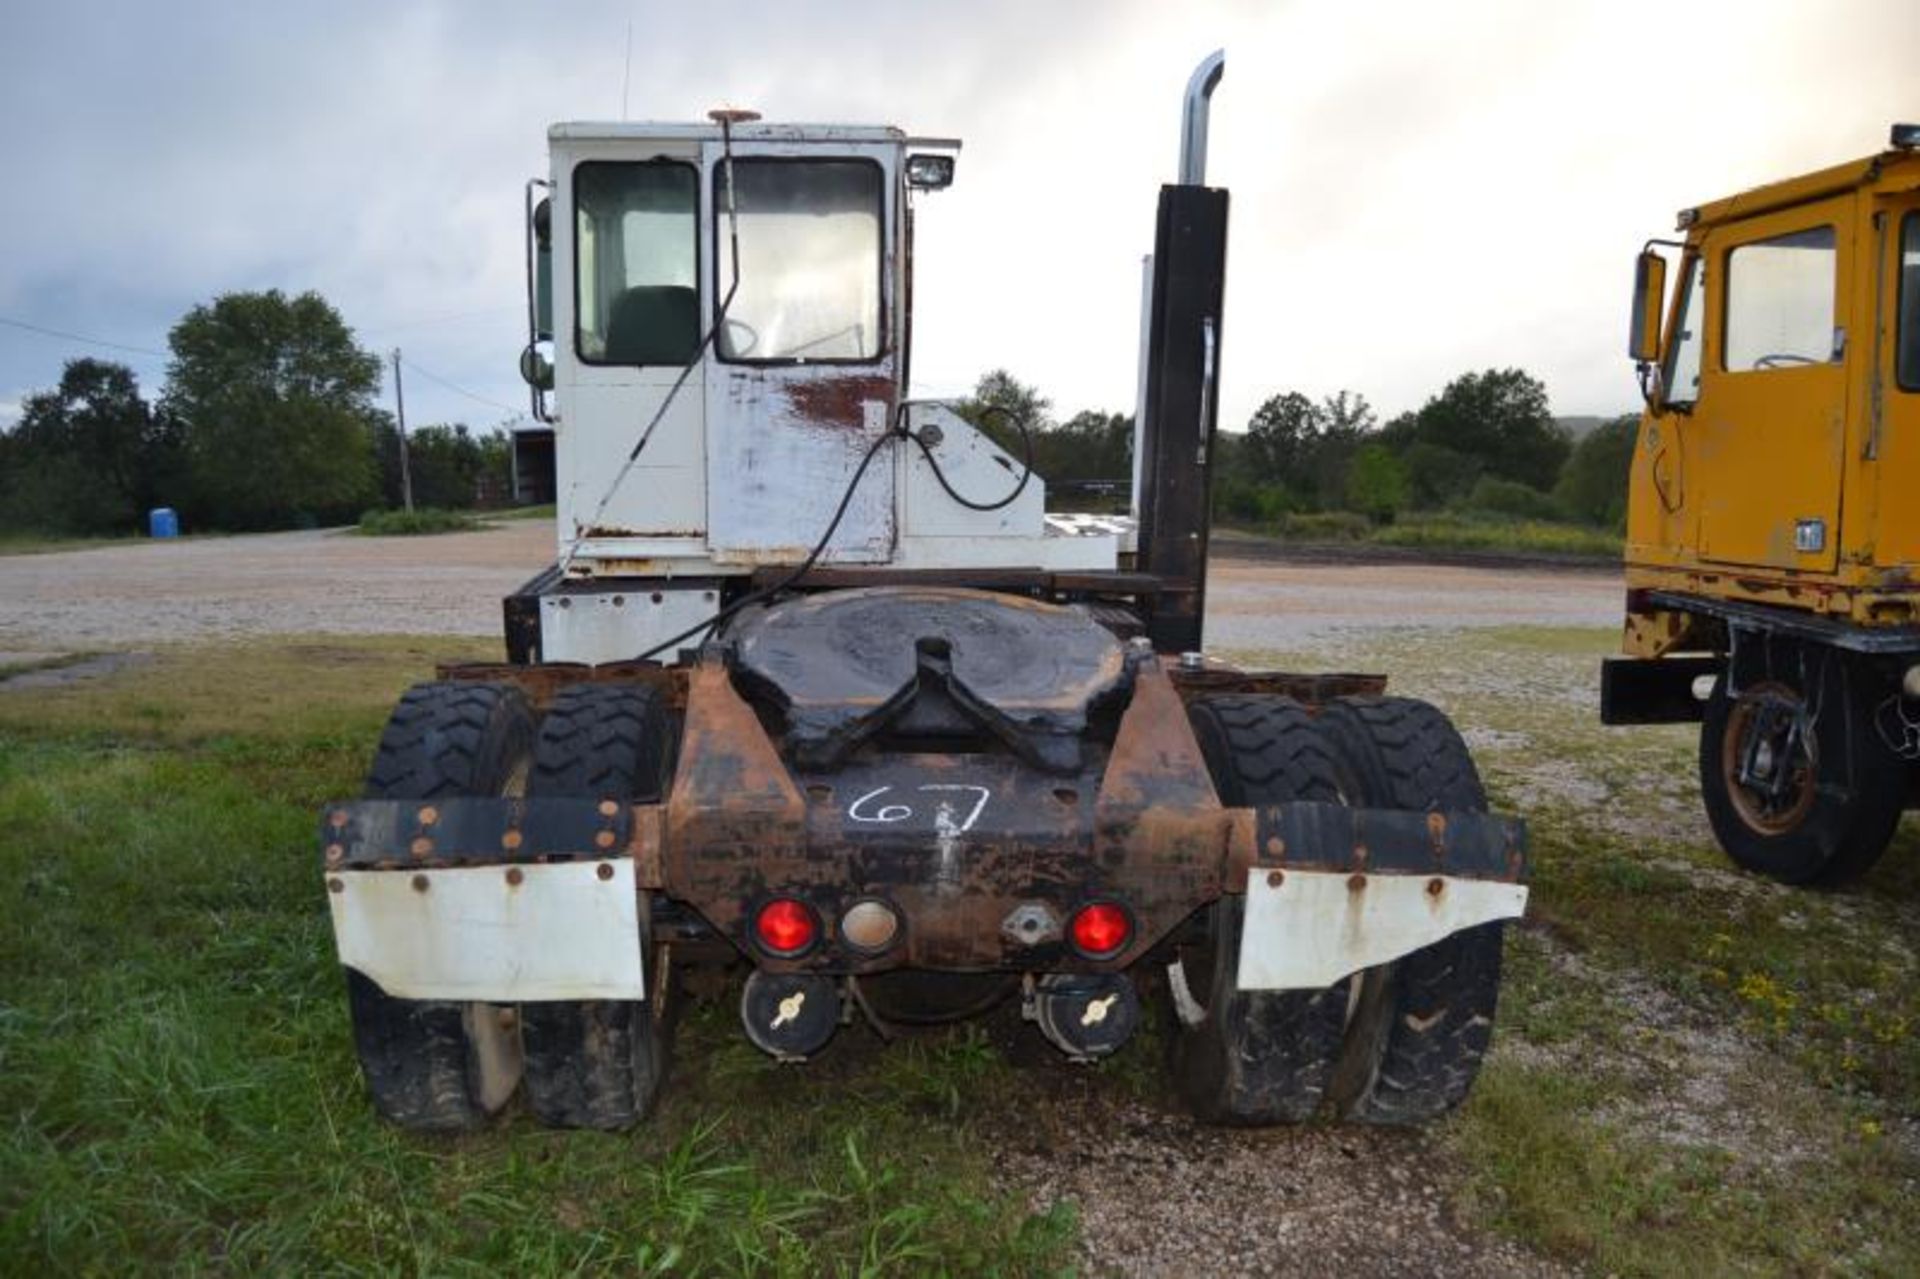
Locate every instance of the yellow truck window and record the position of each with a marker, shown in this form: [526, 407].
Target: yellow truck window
[1907, 339]
[1683, 373]
[1780, 301]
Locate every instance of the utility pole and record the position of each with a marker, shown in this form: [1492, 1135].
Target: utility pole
[400, 416]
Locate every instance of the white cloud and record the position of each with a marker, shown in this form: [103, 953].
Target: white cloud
[1418, 189]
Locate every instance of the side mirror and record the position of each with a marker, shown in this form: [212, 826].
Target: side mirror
[1649, 294]
[543, 269]
[535, 368]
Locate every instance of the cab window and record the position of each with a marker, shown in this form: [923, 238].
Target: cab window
[1780, 295]
[1907, 335]
[636, 230]
[810, 261]
[1683, 368]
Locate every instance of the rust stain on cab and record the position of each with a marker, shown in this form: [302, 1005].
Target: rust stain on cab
[839, 401]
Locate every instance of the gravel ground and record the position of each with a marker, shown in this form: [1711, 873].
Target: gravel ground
[337, 582]
[1156, 1195]
[1160, 1195]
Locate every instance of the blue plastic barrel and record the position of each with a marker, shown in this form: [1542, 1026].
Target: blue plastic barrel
[162, 522]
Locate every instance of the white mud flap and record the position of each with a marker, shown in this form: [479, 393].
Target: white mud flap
[564, 930]
[1314, 927]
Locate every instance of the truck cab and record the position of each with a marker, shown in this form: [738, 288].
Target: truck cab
[719, 338]
[1773, 547]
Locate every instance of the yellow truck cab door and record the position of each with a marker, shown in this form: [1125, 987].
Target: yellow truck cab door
[1891, 458]
[1770, 425]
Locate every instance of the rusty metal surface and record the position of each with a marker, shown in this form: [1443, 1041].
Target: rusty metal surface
[958, 843]
[394, 834]
[1386, 841]
[964, 846]
[839, 400]
[1313, 689]
[733, 806]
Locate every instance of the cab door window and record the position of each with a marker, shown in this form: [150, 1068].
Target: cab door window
[1689, 326]
[810, 261]
[636, 273]
[1780, 293]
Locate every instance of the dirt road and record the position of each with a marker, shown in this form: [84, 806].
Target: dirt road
[341, 583]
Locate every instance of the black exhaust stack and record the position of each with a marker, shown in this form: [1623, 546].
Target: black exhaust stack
[1181, 403]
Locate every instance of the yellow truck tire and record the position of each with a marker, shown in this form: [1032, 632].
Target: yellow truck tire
[1797, 783]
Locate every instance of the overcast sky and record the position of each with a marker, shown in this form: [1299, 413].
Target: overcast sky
[1420, 188]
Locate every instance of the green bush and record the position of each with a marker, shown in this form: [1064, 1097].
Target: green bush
[1593, 484]
[1326, 526]
[1466, 532]
[1510, 497]
[1246, 502]
[1377, 483]
[427, 519]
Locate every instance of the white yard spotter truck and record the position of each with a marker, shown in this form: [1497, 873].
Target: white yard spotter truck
[816, 691]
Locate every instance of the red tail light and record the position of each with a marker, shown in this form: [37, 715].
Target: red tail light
[786, 926]
[1101, 930]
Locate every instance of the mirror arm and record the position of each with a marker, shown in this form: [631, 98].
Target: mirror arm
[536, 394]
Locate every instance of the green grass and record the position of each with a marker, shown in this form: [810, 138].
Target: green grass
[426, 519]
[58, 661]
[1694, 1068]
[1461, 533]
[544, 512]
[179, 1082]
[1468, 531]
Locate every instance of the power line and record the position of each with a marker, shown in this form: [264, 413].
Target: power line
[431, 320]
[431, 376]
[80, 337]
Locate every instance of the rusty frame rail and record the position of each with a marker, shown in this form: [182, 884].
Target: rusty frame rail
[984, 858]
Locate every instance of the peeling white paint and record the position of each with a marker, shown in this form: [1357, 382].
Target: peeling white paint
[562, 932]
[1315, 927]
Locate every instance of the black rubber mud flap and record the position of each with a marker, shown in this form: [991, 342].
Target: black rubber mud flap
[1422, 1024]
[1254, 1057]
[437, 1064]
[600, 1063]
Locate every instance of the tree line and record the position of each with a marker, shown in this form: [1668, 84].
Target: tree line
[268, 420]
[1485, 443]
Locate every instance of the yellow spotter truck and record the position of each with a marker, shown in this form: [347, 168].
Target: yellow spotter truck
[1773, 524]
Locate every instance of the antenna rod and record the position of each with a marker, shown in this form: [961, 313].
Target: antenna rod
[626, 73]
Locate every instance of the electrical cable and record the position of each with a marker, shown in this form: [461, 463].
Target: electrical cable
[806, 565]
[1026, 474]
[898, 431]
[80, 337]
[431, 376]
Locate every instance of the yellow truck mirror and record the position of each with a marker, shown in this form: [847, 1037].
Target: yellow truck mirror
[1649, 292]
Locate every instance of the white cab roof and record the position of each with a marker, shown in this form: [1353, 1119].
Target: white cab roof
[758, 131]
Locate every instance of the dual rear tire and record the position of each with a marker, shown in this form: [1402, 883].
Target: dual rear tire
[438, 1065]
[1400, 1043]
